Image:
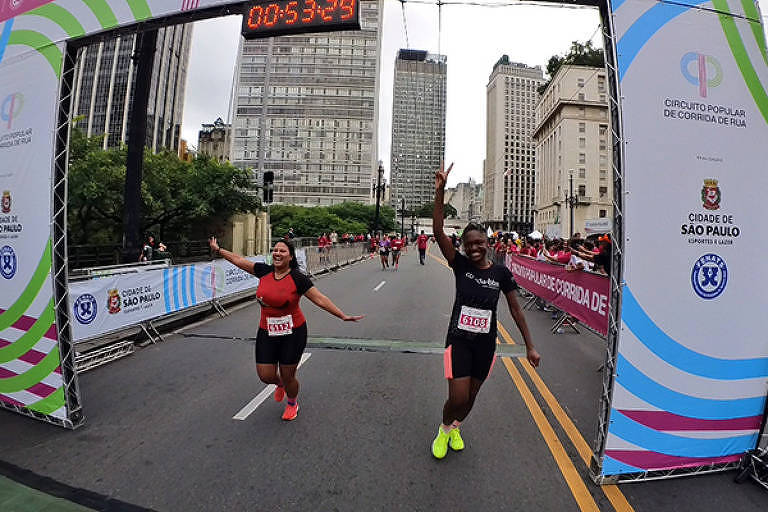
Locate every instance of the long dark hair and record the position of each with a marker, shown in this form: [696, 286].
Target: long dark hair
[294, 264]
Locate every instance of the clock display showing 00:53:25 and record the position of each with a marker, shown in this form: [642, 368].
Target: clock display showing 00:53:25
[266, 18]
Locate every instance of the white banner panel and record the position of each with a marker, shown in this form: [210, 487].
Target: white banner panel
[30, 373]
[103, 305]
[692, 355]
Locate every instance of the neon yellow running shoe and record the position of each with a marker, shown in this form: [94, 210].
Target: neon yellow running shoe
[440, 444]
[455, 441]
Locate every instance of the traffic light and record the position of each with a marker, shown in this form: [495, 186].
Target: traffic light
[269, 178]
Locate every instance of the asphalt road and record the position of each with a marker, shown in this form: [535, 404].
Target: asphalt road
[160, 432]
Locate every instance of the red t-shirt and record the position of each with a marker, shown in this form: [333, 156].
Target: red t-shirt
[421, 241]
[498, 246]
[396, 244]
[513, 249]
[563, 257]
[280, 297]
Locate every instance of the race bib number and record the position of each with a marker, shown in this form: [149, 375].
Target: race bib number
[279, 325]
[475, 320]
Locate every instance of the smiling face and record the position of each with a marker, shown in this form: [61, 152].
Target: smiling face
[475, 246]
[281, 256]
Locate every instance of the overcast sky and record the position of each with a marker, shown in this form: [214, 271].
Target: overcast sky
[473, 38]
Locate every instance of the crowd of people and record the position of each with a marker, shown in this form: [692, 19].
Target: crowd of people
[592, 254]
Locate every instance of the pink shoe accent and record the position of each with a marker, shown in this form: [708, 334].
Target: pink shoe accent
[279, 393]
[448, 362]
[291, 411]
[493, 362]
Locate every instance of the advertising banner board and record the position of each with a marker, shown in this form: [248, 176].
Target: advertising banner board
[582, 295]
[692, 359]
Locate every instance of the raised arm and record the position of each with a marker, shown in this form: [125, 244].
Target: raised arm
[327, 304]
[231, 257]
[446, 247]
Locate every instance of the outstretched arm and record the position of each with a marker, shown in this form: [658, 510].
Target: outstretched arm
[231, 257]
[327, 304]
[522, 326]
[446, 247]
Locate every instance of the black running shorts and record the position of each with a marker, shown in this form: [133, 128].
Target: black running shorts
[285, 350]
[464, 358]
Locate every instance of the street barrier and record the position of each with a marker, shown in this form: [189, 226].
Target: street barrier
[582, 295]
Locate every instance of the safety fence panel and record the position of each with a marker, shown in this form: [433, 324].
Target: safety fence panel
[109, 304]
[582, 295]
[692, 356]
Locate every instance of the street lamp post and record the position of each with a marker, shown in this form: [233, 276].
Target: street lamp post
[402, 216]
[379, 192]
[571, 200]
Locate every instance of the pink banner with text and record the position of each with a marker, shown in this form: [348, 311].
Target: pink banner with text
[582, 295]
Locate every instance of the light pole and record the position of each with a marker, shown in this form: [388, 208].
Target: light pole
[402, 216]
[571, 200]
[377, 189]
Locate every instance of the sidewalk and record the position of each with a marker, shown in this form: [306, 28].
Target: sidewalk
[19, 498]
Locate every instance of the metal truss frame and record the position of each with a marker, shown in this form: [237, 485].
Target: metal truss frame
[74, 415]
[617, 241]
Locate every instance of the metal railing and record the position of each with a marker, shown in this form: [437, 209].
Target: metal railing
[330, 258]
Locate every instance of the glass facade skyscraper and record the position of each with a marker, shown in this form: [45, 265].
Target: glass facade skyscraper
[418, 126]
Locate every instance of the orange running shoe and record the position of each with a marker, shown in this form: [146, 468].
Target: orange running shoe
[279, 393]
[291, 411]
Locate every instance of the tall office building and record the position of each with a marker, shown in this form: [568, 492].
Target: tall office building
[574, 147]
[105, 79]
[509, 176]
[306, 108]
[418, 126]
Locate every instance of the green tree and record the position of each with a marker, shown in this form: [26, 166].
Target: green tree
[580, 54]
[348, 217]
[180, 200]
[425, 210]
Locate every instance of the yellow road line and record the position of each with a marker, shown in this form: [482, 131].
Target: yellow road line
[612, 492]
[579, 490]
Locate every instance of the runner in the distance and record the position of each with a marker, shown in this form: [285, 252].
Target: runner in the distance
[282, 334]
[395, 246]
[421, 244]
[471, 340]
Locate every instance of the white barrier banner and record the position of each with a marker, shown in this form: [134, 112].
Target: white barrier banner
[692, 359]
[108, 304]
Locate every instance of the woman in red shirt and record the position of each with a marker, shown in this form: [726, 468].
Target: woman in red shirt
[282, 334]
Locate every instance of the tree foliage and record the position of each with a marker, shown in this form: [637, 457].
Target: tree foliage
[348, 217]
[180, 200]
[580, 54]
[425, 210]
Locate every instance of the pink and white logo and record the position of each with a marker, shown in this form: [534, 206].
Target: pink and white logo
[10, 108]
[703, 71]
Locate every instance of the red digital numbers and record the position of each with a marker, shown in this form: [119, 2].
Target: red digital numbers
[255, 17]
[309, 11]
[347, 6]
[290, 10]
[278, 17]
[327, 12]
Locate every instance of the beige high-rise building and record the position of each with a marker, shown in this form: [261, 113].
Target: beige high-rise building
[509, 175]
[215, 139]
[467, 199]
[573, 138]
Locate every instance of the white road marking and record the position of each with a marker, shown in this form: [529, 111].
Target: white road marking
[379, 286]
[258, 399]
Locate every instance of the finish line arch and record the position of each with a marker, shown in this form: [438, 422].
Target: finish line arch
[686, 365]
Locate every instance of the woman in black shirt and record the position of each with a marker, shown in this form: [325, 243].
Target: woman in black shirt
[471, 341]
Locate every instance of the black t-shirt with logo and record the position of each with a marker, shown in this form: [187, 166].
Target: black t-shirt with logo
[477, 295]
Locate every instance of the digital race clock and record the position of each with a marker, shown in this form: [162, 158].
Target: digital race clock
[265, 18]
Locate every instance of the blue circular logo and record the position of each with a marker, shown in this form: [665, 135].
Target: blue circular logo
[709, 276]
[7, 262]
[85, 308]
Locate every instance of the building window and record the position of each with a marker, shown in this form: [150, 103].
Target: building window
[582, 158]
[603, 213]
[582, 190]
[582, 142]
[582, 172]
[582, 127]
[603, 191]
